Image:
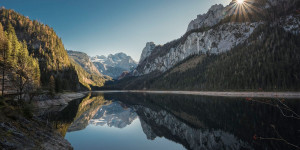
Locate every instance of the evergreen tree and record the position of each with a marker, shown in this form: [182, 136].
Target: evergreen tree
[4, 55]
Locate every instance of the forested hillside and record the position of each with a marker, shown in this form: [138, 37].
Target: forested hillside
[43, 44]
[89, 80]
[268, 60]
[227, 49]
[84, 61]
[88, 74]
[16, 64]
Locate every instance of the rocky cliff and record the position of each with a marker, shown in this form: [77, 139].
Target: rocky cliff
[217, 40]
[84, 61]
[214, 15]
[219, 30]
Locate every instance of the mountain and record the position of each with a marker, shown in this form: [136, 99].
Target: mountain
[227, 49]
[84, 61]
[114, 115]
[114, 65]
[44, 45]
[88, 74]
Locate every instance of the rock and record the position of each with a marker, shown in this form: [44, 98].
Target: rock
[114, 65]
[14, 134]
[46, 101]
[207, 34]
[212, 17]
[221, 39]
[84, 61]
[147, 51]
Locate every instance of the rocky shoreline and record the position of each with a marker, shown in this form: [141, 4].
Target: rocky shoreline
[20, 132]
[46, 101]
[30, 134]
[215, 93]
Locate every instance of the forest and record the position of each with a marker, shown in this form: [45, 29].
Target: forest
[53, 69]
[267, 61]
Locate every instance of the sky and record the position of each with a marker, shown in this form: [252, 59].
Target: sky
[102, 27]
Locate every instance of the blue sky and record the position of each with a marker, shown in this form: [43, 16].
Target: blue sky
[102, 27]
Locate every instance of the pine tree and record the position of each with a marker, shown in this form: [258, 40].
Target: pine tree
[4, 55]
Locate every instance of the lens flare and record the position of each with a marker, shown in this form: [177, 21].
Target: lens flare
[240, 1]
[243, 10]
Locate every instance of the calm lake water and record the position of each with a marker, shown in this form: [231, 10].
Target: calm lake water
[113, 121]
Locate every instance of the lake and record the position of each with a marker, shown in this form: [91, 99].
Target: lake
[135, 121]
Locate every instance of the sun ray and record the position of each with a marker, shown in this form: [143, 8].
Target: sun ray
[240, 1]
[243, 10]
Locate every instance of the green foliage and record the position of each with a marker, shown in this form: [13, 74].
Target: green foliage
[44, 45]
[268, 60]
[88, 79]
[15, 59]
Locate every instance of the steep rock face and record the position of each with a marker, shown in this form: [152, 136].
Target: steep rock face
[212, 17]
[84, 61]
[217, 31]
[220, 39]
[154, 121]
[114, 65]
[147, 51]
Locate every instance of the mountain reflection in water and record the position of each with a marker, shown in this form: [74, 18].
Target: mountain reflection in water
[164, 121]
[114, 115]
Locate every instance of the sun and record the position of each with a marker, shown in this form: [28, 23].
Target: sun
[240, 1]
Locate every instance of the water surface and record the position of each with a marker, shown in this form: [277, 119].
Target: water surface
[173, 122]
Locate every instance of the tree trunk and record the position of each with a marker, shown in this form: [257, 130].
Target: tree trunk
[21, 87]
[3, 72]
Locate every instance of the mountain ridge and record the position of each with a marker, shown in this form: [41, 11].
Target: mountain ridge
[114, 64]
[193, 62]
[204, 37]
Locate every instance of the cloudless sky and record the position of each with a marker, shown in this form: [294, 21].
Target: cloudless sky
[102, 27]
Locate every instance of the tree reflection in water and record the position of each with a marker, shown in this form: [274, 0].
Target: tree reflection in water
[196, 122]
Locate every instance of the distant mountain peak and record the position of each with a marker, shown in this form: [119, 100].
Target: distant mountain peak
[114, 64]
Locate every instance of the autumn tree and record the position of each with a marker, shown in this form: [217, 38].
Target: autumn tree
[4, 52]
[24, 69]
[27, 74]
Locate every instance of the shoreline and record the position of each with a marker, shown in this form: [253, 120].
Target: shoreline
[215, 93]
[58, 100]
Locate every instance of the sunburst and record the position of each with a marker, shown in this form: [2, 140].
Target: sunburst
[240, 2]
[241, 9]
